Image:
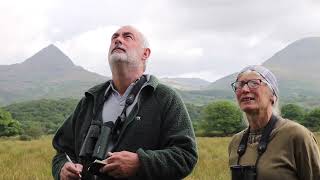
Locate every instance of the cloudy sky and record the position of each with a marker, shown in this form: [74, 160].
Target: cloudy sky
[189, 38]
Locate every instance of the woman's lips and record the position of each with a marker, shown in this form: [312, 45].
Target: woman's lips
[246, 99]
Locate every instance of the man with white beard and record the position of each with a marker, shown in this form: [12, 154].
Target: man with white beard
[130, 127]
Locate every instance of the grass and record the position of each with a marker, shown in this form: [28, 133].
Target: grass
[213, 159]
[31, 160]
[25, 159]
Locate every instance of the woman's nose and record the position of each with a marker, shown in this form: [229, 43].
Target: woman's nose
[245, 88]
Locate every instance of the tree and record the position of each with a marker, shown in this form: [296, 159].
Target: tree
[194, 111]
[195, 114]
[222, 116]
[33, 130]
[312, 120]
[8, 126]
[293, 112]
[46, 114]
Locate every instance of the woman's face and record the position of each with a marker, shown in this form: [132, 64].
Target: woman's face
[256, 99]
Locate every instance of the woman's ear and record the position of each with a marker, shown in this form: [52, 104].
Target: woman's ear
[273, 99]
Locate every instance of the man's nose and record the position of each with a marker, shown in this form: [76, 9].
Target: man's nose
[118, 41]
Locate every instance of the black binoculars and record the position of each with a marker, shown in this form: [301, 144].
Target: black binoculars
[95, 144]
[239, 172]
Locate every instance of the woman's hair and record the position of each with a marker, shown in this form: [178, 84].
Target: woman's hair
[272, 87]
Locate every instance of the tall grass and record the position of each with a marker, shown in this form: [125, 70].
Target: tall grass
[31, 160]
[213, 159]
[25, 159]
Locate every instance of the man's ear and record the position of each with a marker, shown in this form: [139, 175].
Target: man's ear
[146, 53]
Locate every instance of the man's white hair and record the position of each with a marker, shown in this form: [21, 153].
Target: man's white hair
[144, 40]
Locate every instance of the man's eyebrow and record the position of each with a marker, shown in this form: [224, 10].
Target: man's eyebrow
[114, 35]
[127, 33]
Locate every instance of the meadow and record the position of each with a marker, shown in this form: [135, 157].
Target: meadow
[31, 160]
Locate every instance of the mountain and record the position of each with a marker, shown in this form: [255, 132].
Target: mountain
[51, 74]
[186, 83]
[47, 74]
[297, 70]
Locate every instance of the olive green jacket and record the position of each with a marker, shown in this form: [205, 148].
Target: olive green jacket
[292, 153]
[162, 137]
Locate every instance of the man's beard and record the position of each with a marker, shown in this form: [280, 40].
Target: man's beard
[129, 57]
[118, 57]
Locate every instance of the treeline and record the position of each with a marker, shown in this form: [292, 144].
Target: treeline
[220, 118]
[35, 118]
[307, 117]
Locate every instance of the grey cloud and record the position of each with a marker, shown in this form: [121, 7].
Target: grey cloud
[230, 33]
[77, 16]
[244, 17]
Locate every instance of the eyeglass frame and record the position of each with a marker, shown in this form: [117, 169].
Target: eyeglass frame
[247, 83]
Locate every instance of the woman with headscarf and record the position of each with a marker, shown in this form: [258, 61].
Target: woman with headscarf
[271, 148]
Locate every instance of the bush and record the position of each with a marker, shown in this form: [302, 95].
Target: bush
[34, 130]
[25, 138]
[293, 112]
[312, 120]
[8, 126]
[221, 117]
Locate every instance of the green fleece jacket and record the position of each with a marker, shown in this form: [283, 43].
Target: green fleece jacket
[162, 137]
[292, 153]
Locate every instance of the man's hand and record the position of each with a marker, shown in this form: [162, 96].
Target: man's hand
[121, 164]
[70, 171]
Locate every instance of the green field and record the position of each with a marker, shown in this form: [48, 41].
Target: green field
[32, 159]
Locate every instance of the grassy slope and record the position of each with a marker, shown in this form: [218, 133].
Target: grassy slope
[32, 160]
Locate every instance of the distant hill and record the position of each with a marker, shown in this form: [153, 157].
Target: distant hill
[47, 74]
[186, 83]
[50, 74]
[297, 70]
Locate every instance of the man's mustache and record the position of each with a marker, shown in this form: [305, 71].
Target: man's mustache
[118, 47]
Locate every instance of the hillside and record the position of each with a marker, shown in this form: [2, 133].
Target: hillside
[296, 68]
[51, 74]
[46, 115]
[47, 74]
[186, 83]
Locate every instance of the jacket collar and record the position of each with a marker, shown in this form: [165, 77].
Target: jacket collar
[97, 92]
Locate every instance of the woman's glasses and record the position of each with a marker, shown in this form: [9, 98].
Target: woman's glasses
[252, 84]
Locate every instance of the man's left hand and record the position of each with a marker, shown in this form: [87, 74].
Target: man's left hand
[121, 164]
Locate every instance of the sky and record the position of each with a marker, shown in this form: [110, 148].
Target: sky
[205, 39]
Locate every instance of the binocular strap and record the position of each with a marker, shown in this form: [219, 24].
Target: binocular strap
[263, 143]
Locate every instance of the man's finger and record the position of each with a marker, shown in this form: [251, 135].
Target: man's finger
[110, 153]
[113, 158]
[69, 171]
[79, 166]
[109, 167]
[73, 169]
[71, 175]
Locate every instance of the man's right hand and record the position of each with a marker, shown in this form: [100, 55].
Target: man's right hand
[70, 171]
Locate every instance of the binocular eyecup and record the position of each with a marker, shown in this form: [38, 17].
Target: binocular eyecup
[240, 172]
